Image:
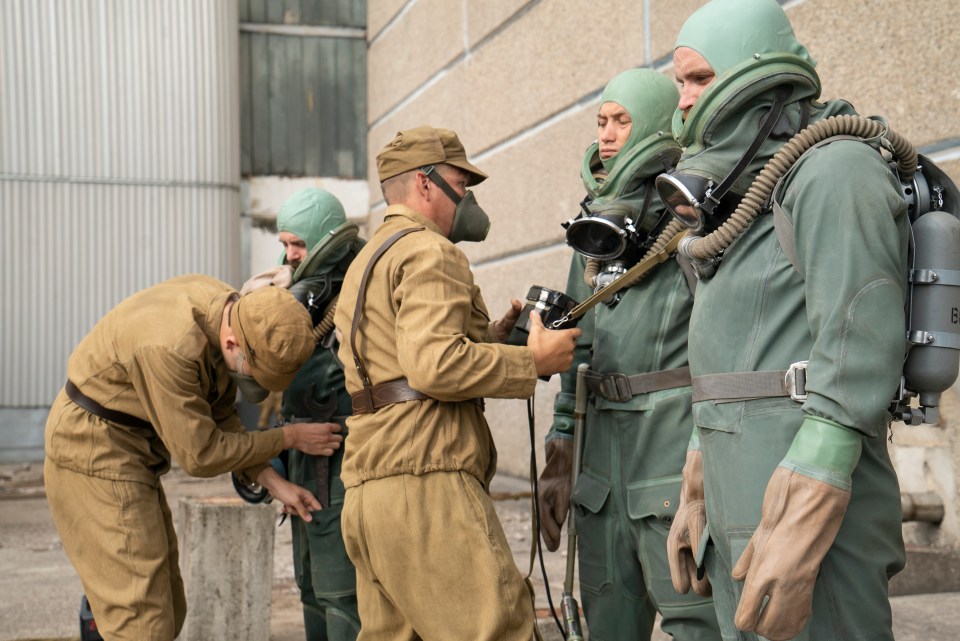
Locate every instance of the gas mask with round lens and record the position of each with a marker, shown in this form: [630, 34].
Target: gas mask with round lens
[613, 229]
[696, 201]
[604, 230]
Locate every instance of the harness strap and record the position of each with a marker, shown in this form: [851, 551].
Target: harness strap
[781, 224]
[743, 386]
[362, 294]
[620, 388]
[373, 397]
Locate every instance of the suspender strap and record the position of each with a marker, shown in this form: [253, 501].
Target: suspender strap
[620, 388]
[373, 397]
[362, 294]
[95, 408]
[743, 386]
[781, 224]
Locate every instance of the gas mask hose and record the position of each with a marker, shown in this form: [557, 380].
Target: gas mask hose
[325, 326]
[703, 248]
[673, 228]
[590, 272]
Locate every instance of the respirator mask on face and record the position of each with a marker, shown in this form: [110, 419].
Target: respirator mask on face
[612, 229]
[701, 203]
[470, 222]
[252, 391]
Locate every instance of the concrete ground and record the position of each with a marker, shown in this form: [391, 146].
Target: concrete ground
[40, 592]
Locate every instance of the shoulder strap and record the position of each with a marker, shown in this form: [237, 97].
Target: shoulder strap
[781, 224]
[362, 294]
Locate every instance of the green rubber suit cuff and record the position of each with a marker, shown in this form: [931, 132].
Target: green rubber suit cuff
[694, 443]
[825, 451]
[563, 407]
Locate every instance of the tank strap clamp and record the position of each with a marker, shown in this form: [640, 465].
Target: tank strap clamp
[938, 276]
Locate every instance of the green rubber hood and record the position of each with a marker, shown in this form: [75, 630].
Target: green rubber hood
[754, 51]
[649, 97]
[655, 154]
[317, 218]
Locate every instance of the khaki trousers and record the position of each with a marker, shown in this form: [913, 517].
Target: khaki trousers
[433, 562]
[119, 536]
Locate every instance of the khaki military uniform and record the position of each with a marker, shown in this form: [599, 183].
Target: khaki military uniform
[431, 556]
[156, 356]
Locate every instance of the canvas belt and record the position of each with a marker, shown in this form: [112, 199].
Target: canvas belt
[95, 408]
[742, 386]
[373, 397]
[620, 388]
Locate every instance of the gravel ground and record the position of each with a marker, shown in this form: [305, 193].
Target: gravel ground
[40, 592]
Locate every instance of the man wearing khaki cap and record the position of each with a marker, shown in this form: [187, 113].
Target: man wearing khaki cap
[157, 378]
[420, 354]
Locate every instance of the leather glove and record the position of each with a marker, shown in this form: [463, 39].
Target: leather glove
[683, 542]
[279, 276]
[803, 508]
[554, 496]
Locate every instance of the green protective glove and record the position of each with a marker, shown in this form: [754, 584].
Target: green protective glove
[688, 526]
[563, 406]
[554, 486]
[803, 508]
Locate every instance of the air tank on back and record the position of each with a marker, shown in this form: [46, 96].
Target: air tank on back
[933, 315]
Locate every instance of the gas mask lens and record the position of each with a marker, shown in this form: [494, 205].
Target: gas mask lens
[683, 194]
[601, 232]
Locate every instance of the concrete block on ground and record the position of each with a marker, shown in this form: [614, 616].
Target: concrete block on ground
[226, 557]
[928, 571]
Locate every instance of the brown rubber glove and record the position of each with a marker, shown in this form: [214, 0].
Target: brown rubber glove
[688, 525]
[800, 520]
[555, 490]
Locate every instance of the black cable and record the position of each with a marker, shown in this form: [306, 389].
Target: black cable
[536, 515]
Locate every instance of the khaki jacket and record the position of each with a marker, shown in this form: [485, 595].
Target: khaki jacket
[424, 320]
[157, 356]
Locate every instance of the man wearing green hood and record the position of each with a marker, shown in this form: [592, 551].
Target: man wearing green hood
[636, 434]
[795, 345]
[319, 245]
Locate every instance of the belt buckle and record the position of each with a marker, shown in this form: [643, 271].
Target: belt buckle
[795, 380]
[616, 388]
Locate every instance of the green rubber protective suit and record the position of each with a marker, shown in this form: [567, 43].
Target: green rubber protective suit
[324, 573]
[841, 309]
[629, 486]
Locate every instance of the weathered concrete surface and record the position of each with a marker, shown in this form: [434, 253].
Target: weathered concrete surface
[226, 573]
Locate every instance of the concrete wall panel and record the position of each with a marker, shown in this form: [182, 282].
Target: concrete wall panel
[485, 16]
[888, 61]
[380, 13]
[537, 67]
[534, 186]
[666, 18]
[400, 62]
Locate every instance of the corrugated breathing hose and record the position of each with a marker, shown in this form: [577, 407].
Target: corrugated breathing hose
[702, 248]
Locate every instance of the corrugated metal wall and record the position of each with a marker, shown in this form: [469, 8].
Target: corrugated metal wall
[303, 87]
[119, 166]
